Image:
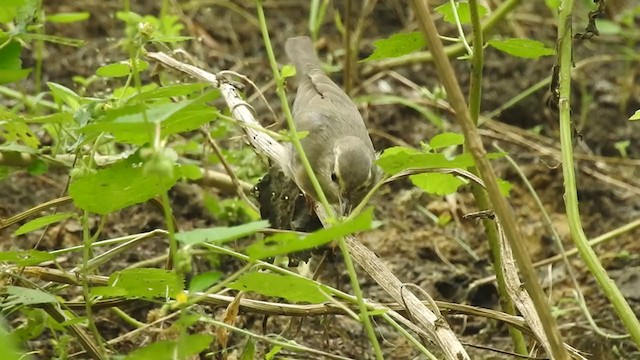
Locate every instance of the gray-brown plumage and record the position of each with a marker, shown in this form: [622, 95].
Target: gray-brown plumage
[338, 144]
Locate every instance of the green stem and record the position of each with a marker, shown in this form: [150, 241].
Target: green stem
[86, 254]
[565, 52]
[490, 229]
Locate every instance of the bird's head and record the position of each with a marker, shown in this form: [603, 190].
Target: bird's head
[352, 173]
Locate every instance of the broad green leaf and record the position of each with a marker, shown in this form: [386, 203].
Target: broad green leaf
[182, 348]
[437, 184]
[168, 91]
[123, 184]
[524, 48]
[292, 288]
[445, 140]
[191, 172]
[42, 222]
[464, 13]
[121, 69]
[70, 17]
[18, 131]
[220, 235]
[25, 258]
[8, 342]
[63, 95]
[16, 295]
[608, 27]
[397, 159]
[145, 283]
[11, 64]
[397, 45]
[285, 243]
[8, 9]
[635, 116]
[130, 125]
[203, 281]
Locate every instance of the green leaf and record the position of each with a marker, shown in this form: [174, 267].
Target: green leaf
[9, 9]
[397, 45]
[204, 281]
[121, 69]
[183, 348]
[524, 48]
[397, 159]
[249, 351]
[123, 184]
[292, 288]
[168, 91]
[288, 71]
[11, 64]
[18, 131]
[464, 13]
[37, 167]
[70, 17]
[445, 140]
[16, 295]
[437, 184]
[285, 243]
[42, 222]
[635, 116]
[145, 283]
[220, 235]
[9, 341]
[63, 95]
[505, 187]
[25, 258]
[130, 125]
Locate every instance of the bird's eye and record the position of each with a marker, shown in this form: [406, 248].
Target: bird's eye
[334, 177]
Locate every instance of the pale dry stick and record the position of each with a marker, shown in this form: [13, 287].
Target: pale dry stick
[521, 298]
[437, 328]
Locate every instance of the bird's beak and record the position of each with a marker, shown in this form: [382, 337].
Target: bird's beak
[345, 206]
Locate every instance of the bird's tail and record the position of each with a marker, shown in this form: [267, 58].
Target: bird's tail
[302, 54]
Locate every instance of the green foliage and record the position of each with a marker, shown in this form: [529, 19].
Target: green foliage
[25, 258]
[145, 283]
[18, 296]
[182, 348]
[397, 45]
[285, 243]
[220, 235]
[524, 48]
[291, 288]
[42, 222]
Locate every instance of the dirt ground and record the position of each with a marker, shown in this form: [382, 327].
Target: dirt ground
[442, 260]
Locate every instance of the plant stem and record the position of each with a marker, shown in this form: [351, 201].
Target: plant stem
[565, 62]
[501, 208]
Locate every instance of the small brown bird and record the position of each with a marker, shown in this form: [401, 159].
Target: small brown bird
[338, 144]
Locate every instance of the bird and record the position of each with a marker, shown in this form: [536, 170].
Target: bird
[337, 145]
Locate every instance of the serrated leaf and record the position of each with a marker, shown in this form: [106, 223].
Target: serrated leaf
[436, 183]
[25, 258]
[397, 45]
[285, 243]
[69, 17]
[524, 48]
[145, 283]
[292, 288]
[445, 140]
[134, 124]
[42, 222]
[182, 348]
[123, 184]
[220, 235]
[15, 295]
[464, 13]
